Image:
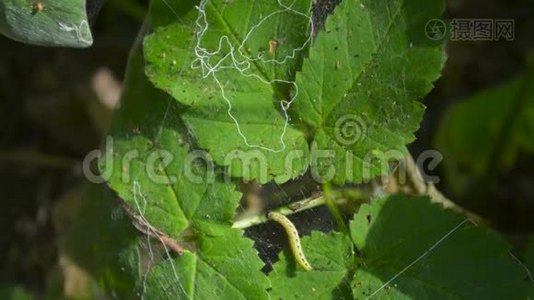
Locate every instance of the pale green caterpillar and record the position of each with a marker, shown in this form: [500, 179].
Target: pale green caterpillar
[294, 240]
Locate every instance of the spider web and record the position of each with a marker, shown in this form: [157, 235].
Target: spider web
[172, 284]
[140, 206]
[211, 62]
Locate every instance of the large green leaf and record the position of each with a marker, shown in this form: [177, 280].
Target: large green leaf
[224, 72]
[331, 256]
[46, 23]
[412, 249]
[361, 81]
[485, 133]
[356, 91]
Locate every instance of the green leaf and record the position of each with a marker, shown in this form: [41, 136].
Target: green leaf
[103, 241]
[361, 81]
[331, 256]
[225, 267]
[412, 249]
[161, 13]
[236, 114]
[46, 23]
[485, 133]
[150, 166]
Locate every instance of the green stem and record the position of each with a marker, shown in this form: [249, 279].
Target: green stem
[289, 209]
[334, 209]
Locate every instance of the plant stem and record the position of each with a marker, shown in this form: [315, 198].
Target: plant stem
[289, 209]
[334, 209]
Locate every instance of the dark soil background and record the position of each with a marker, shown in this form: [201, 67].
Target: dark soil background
[55, 105]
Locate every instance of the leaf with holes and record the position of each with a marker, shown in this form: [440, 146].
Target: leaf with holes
[412, 249]
[231, 64]
[360, 84]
